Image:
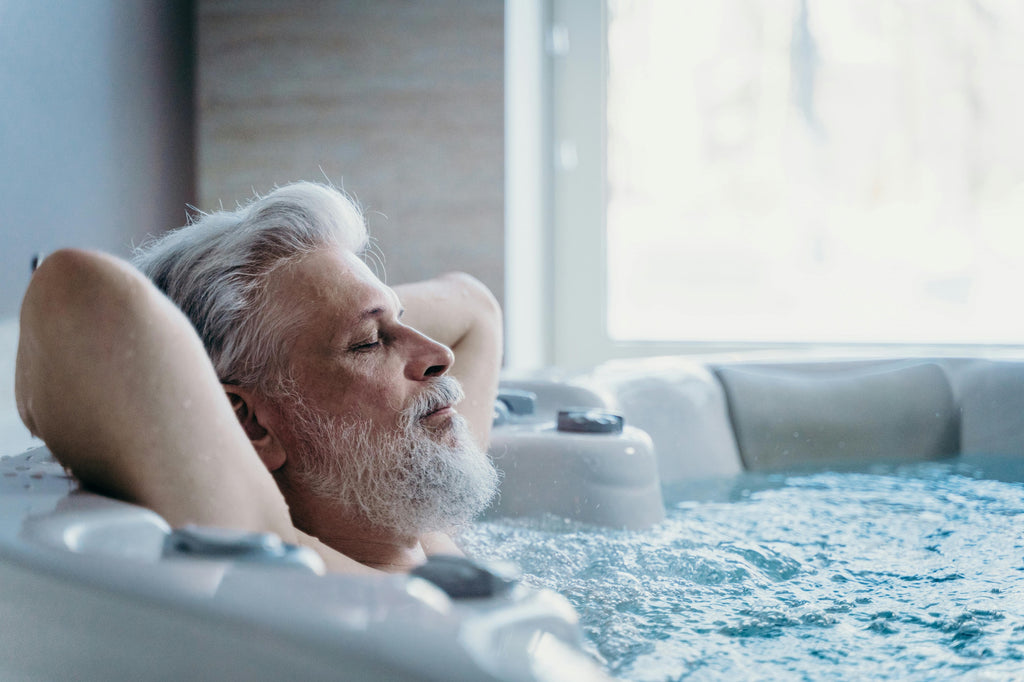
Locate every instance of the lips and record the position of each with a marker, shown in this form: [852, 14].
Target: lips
[443, 409]
[437, 401]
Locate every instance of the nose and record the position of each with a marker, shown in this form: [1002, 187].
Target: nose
[427, 358]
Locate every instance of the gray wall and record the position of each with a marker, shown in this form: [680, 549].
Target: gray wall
[399, 101]
[96, 127]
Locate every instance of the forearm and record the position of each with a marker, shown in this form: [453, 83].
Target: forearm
[459, 311]
[113, 378]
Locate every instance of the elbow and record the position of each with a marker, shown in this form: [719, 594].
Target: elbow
[479, 299]
[72, 295]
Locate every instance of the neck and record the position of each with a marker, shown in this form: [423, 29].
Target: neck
[345, 530]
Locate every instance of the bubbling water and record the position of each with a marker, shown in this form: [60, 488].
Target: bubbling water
[915, 573]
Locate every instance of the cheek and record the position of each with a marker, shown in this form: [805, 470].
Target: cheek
[370, 386]
[370, 393]
[384, 395]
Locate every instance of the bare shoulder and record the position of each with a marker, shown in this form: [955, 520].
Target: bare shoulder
[335, 561]
[439, 543]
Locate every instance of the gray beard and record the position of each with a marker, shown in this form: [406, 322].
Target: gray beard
[409, 481]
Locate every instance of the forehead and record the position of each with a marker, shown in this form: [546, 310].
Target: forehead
[328, 289]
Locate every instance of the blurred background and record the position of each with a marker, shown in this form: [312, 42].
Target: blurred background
[117, 114]
[629, 177]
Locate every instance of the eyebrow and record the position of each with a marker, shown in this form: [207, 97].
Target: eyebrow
[376, 311]
[373, 312]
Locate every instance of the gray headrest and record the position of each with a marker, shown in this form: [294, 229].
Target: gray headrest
[804, 416]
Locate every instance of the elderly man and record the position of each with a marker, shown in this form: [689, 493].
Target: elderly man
[307, 371]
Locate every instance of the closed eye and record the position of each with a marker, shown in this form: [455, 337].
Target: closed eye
[366, 346]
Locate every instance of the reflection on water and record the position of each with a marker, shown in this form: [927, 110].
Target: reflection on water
[914, 573]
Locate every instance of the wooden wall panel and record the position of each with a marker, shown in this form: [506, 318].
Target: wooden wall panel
[398, 101]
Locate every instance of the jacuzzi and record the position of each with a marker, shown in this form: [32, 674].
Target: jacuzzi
[824, 517]
[691, 423]
[93, 588]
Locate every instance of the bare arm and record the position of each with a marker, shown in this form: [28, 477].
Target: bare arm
[457, 310]
[114, 379]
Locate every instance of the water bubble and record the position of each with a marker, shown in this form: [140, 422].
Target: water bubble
[890, 574]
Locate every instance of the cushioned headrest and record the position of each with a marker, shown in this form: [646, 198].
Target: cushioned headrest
[840, 414]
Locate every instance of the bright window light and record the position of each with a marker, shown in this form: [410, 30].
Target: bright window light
[816, 170]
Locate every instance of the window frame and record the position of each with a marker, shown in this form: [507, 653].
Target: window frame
[556, 204]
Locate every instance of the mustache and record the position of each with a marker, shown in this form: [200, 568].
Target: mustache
[440, 392]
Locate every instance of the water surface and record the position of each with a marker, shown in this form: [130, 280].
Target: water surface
[914, 573]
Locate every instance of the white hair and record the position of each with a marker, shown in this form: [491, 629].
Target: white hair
[411, 480]
[216, 270]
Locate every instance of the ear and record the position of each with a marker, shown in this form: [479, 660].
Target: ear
[252, 414]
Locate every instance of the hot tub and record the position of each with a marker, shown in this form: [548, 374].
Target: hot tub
[692, 423]
[96, 589]
[825, 518]
[92, 588]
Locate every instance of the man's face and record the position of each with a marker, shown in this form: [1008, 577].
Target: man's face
[352, 355]
[373, 422]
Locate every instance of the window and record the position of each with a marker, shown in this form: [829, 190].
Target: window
[786, 171]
